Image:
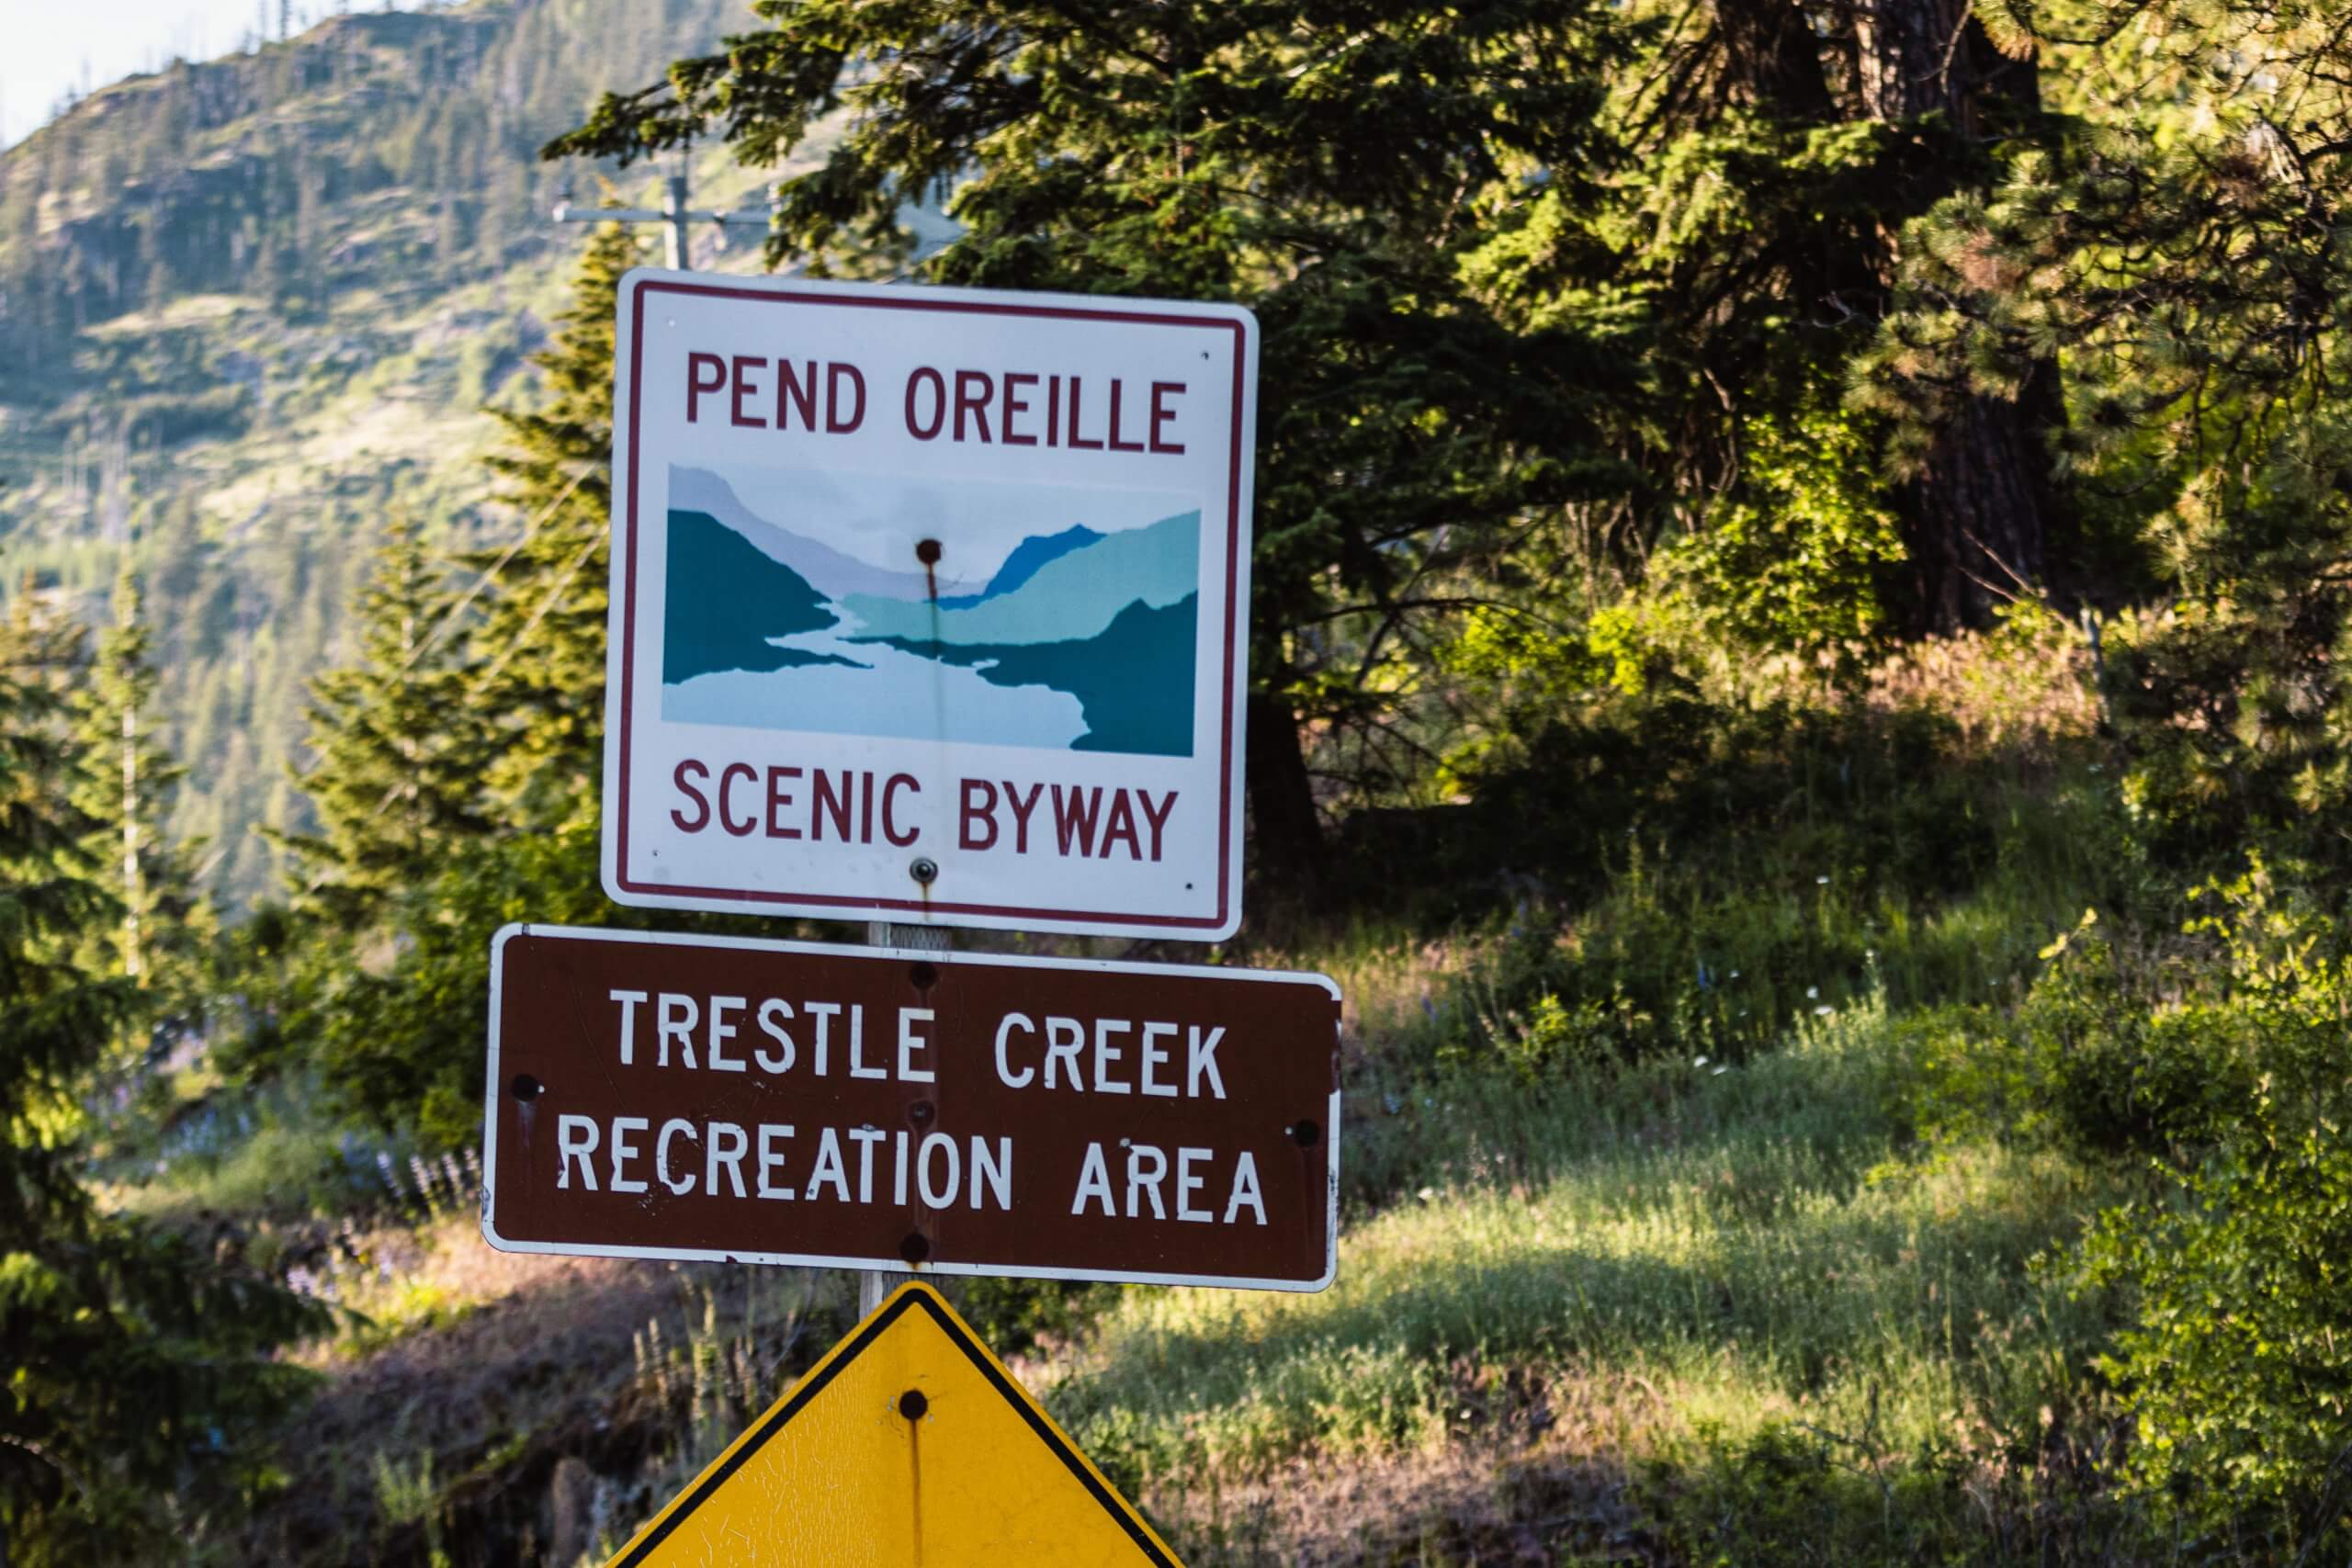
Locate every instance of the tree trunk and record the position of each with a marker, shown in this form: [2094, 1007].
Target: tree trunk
[1285, 839]
[1975, 520]
[1775, 61]
[1976, 517]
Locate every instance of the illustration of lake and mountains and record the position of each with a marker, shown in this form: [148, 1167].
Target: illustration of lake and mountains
[1054, 616]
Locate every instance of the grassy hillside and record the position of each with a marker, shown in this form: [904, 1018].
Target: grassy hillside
[249, 306]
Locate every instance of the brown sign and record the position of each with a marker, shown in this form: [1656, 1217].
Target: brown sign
[782, 1103]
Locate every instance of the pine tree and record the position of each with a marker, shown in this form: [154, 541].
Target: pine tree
[136, 1363]
[542, 634]
[2184, 258]
[127, 787]
[1324, 162]
[395, 775]
[498, 729]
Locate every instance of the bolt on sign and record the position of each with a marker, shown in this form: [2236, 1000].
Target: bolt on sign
[909, 1443]
[784, 1102]
[929, 604]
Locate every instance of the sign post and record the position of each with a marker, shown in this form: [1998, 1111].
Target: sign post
[929, 609]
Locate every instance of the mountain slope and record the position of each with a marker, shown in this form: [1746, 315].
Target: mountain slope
[250, 307]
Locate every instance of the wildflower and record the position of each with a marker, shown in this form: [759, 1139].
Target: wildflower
[1821, 881]
[1824, 1011]
[1719, 1072]
[1811, 992]
[1697, 1061]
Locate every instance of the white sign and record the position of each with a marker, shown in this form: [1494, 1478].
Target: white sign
[929, 604]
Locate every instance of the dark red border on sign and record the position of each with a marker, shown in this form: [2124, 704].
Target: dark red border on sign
[1234, 546]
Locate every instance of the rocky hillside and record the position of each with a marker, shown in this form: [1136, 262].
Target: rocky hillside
[250, 307]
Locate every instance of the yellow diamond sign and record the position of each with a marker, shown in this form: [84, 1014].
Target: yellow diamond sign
[908, 1444]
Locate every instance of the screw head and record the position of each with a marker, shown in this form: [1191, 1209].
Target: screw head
[924, 870]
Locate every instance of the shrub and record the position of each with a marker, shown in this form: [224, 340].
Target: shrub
[2216, 1067]
[2239, 1380]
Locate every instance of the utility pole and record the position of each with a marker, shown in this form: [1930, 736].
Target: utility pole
[674, 216]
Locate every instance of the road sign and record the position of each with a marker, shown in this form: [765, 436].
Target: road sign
[909, 1443]
[929, 604]
[660, 1096]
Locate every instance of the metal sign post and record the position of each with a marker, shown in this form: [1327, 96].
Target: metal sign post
[873, 1284]
[929, 609]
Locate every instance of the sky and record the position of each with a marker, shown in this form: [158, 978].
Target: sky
[58, 46]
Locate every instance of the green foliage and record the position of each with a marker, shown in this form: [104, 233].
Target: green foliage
[400, 1049]
[136, 1360]
[2085, 1063]
[1695, 876]
[1207, 149]
[127, 787]
[459, 764]
[1015, 1317]
[2241, 1395]
[1792, 560]
[1795, 1493]
[2127, 1056]
[2217, 1071]
[2240, 1384]
[397, 756]
[2169, 250]
[543, 615]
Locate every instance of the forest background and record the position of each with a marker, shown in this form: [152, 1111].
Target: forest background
[1801, 582]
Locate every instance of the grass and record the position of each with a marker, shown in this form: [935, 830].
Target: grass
[1666, 1312]
[1749, 1248]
